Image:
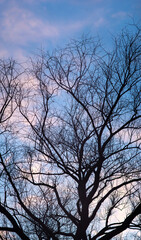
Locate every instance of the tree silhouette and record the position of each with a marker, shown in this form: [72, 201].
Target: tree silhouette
[75, 172]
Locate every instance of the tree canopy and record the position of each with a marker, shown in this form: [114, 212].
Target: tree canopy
[70, 142]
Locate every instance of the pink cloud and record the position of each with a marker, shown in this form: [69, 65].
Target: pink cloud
[20, 25]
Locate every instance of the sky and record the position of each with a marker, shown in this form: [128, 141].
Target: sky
[26, 26]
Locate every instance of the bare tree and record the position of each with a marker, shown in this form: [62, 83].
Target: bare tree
[9, 90]
[78, 175]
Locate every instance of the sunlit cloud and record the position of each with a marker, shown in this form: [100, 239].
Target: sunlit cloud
[29, 25]
[21, 26]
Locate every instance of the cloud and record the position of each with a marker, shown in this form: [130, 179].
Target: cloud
[17, 53]
[72, 27]
[23, 31]
[100, 22]
[21, 26]
[120, 15]
[3, 52]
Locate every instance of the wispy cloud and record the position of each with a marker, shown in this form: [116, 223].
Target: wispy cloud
[101, 21]
[21, 26]
[120, 15]
[29, 24]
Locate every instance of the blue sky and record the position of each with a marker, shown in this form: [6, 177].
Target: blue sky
[28, 25]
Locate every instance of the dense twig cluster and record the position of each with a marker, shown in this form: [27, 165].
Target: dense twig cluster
[70, 168]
